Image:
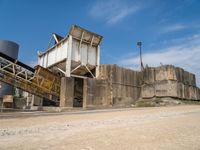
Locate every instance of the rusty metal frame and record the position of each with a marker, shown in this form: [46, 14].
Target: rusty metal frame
[41, 82]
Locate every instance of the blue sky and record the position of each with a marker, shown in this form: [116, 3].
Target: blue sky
[169, 30]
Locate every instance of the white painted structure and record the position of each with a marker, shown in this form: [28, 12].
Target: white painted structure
[78, 54]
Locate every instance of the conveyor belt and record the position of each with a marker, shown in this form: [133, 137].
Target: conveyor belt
[38, 81]
[17, 62]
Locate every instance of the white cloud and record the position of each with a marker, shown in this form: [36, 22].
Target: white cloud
[173, 28]
[113, 11]
[185, 54]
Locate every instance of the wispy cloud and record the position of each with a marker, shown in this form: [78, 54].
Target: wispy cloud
[33, 63]
[113, 11]
[185, 54]
[173, 28]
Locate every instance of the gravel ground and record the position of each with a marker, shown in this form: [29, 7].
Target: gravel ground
[169, 128]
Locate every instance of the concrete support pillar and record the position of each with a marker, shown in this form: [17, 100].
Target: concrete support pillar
[98, 61]
[67, 92]
[85, 92]
[69, 55]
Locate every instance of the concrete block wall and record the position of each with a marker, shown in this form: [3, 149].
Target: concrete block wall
[117, 86]
[169, 81]
[96, 93]
[124, 84]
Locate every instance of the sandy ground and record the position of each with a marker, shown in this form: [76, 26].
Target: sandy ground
[167, 128]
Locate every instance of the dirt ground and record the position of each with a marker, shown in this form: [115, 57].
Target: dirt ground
[159, 128]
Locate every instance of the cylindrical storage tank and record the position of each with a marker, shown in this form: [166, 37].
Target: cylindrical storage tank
[11, 49]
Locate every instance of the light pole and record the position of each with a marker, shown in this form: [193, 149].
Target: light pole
[139, 44]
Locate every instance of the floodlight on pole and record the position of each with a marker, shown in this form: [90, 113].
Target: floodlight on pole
[139, 44]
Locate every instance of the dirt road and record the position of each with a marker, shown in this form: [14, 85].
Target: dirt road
[167, 128]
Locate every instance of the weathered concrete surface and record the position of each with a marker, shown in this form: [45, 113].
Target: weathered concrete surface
[67, 92]
[165, 73]
[168, 72]
[117, 86]
[148, 90]
[169, 81]
[37, 101]
[95, 93]
[124, 84]
[148, 75]
[166, 88]
[20, 103]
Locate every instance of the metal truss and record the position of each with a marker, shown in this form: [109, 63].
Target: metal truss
[37, 81]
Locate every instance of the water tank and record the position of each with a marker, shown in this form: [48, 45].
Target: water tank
[11, 49]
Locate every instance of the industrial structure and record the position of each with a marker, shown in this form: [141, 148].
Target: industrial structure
[69, 74]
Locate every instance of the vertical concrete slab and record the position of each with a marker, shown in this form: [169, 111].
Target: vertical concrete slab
[148, 91]
[148, 75]
[36, 100]
[186, 77]
[166, 88]
[198, 94]
[165, 73]
[67, 92]
[180, 90]
[85, 93]
[123, 84]
[192, 93]
[179, 74]
[95, 93]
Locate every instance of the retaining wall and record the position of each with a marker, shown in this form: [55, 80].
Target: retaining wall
[169, 81]
[114, 86]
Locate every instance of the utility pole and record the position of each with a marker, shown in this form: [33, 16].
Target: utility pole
[139, 44]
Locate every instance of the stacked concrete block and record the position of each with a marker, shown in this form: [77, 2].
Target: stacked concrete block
[169, 81]
[148, 91]
[179, 74]
[165, 73]
[148, 75]
[180, 90]
[185, 77]
[124, 84]
[166, 88]
[192, 93]
[117, 86]
[96, 93]
[198, 94]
